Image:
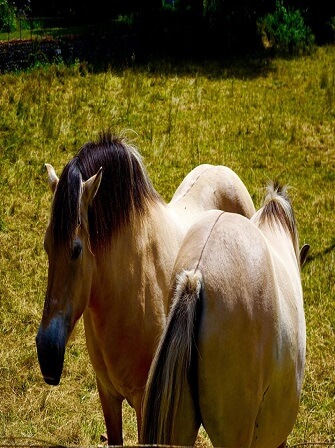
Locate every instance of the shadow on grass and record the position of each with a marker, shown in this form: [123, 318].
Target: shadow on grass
[320, 253]
[110, 52]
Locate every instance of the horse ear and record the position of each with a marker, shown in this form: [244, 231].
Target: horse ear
[52, 177]
[91, 187]
[303, 253]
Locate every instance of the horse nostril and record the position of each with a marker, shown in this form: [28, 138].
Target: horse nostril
[50, 344]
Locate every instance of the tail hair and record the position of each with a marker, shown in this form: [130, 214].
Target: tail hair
[170, 368]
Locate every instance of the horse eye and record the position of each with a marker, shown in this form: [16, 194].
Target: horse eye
[76, 250]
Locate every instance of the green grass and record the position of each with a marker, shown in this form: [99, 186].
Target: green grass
[275, 121]
[34, 33]
[48, 28]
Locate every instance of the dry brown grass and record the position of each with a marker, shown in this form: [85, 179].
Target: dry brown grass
[277, 123]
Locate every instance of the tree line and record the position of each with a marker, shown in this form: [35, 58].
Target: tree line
[210, 27]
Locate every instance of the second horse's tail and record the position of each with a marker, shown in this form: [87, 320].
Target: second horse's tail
[174, 369]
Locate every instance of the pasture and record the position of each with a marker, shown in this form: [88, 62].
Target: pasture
[273, 121]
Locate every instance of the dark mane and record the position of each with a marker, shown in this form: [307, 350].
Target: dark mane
[277, 207]
[125, 187]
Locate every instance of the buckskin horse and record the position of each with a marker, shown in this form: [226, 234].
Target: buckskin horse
[111, 244]
[232, 354]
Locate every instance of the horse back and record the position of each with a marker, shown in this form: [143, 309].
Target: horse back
[209, 187]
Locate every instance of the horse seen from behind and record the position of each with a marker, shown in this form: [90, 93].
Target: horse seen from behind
[232, 354]
[111, 244]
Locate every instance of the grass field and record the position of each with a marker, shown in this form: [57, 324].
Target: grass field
[265, 121]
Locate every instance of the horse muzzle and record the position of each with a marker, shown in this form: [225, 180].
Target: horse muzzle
[50, 343]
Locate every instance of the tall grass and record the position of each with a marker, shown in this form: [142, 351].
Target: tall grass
[275, 121]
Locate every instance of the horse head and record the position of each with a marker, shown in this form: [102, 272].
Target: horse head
[71, 264]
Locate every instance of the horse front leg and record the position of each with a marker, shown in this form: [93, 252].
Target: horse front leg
[138, 409]
[112, 410]
[283, 445]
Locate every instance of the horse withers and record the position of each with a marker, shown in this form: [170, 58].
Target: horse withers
[232, 354]
[111, 244]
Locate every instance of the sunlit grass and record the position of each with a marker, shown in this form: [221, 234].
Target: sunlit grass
[275, 121]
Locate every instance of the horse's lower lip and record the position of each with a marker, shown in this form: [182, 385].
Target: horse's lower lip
[52, 381]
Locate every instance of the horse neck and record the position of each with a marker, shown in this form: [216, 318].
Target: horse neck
[138, 258]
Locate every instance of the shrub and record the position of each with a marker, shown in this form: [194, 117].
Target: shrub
[7, 17]
[285, 31]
